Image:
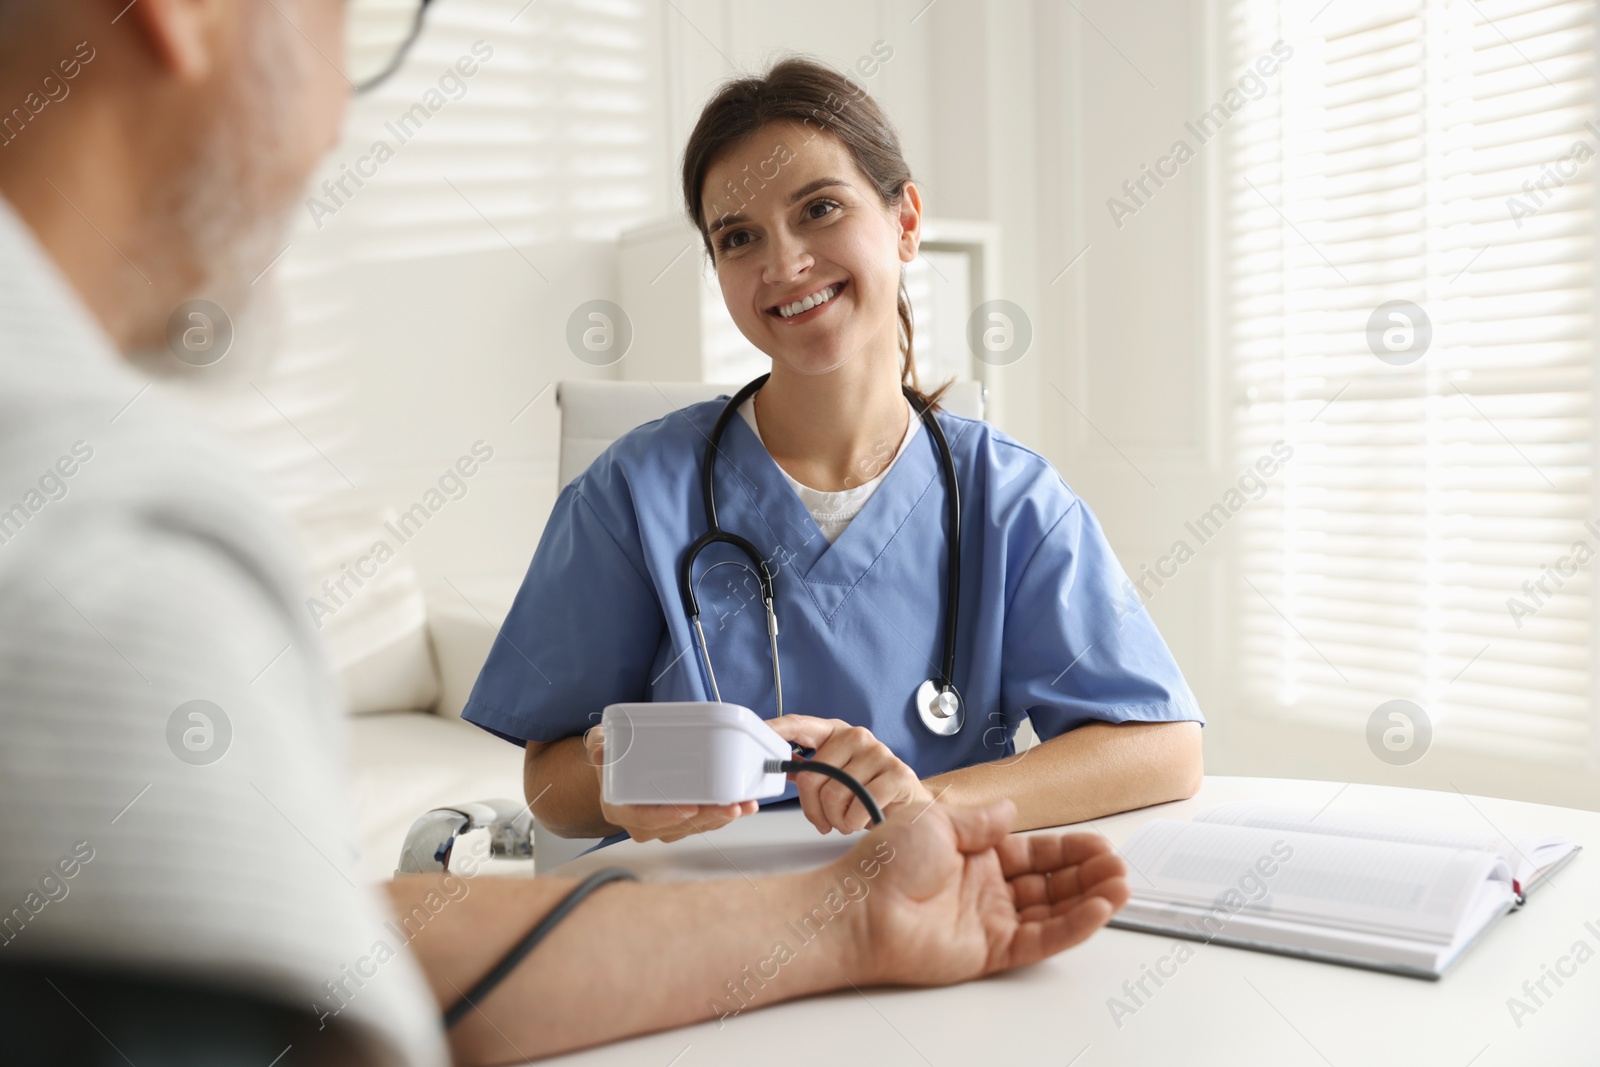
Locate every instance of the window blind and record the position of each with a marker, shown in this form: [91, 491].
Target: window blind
[538, 127]
[553, 138]
[1427, 540]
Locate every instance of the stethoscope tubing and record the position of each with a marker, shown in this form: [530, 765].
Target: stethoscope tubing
[715, 534]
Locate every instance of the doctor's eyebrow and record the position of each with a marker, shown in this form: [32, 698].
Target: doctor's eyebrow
[795, 197]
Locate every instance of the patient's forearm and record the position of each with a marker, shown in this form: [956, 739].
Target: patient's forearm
[631, 959]
[563, 789]
[1095, 770]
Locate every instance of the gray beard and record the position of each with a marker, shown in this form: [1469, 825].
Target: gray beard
[224, 218]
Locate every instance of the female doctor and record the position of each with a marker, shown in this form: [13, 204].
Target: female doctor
[830, 471]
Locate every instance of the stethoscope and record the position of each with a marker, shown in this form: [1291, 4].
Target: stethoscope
[938, 703]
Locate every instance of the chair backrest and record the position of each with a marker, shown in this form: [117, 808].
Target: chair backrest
[596, 413]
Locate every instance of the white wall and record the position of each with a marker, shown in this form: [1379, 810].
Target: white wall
[1136, 335]
[1131, 418]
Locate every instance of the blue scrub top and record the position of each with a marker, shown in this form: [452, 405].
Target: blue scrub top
[1050, 626]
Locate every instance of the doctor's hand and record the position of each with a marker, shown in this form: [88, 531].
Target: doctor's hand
[661, 822]
[957, 897]
[830, 805]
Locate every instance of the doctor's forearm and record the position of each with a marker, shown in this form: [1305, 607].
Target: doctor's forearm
[1095, 770]
[563, 789]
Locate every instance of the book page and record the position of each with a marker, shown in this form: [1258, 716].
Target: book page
[1524, 854]
[1408, 890]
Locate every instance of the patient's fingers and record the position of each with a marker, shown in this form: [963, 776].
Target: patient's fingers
[1047, 881]
[1048, 852]
[1038, 897]
[1036, 939]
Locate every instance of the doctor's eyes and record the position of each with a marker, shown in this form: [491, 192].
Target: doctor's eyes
[816, 210]
[832, 205]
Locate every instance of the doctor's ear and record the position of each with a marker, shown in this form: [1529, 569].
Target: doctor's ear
[184, 37]
[908, 216]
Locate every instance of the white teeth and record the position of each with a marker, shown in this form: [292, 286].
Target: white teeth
[788, 311]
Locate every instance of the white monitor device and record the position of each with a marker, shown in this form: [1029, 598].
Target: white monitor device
[689, 752]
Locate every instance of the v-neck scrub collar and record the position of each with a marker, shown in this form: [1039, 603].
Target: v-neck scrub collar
[833, 511]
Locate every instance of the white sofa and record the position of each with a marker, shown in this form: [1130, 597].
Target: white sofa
[408, 761]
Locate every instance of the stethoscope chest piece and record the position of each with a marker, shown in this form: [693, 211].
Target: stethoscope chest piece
[941, 710]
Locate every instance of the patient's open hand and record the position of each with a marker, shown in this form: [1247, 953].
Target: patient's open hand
[960, 898]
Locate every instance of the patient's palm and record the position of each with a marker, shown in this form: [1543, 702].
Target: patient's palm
[959, 899]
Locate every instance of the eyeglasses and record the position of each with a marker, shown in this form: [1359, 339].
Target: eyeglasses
[378, 35]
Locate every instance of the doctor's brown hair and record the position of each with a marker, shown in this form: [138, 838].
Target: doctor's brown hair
[804, 91]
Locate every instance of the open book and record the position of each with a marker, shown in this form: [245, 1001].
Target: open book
[1374, 891]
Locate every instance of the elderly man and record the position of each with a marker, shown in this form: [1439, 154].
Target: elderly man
[151, 903]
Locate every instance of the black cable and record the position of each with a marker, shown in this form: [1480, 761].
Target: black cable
[530, 941]
[715, 534]
[794, 766]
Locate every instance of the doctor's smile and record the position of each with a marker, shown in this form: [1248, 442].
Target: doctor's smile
[792, 311]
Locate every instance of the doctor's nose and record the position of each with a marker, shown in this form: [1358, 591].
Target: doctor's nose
[786, 260]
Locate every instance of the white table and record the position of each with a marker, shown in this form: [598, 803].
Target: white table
[1225, 1006]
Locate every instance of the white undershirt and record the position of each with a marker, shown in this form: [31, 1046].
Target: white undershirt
[832, 512]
